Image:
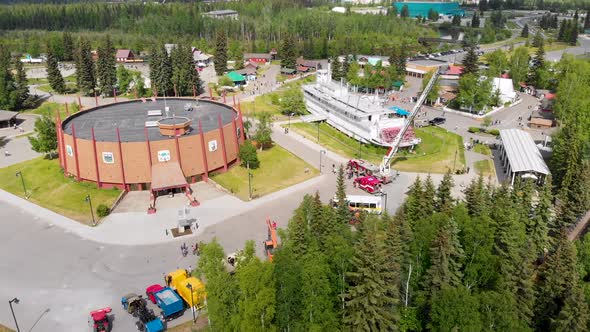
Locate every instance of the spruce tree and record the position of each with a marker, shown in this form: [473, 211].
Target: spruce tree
[289, 52]
[456, 20]
[161, 76]
[538, 39]
[413, 206]
[85, 69]
[477, 197]
[342, 205]
[21, 85]
[394, 251]
[106, 70]
[587, 20]
[538, 65]
[428, 201]
[7, 87]
[56, 81]
[557, 279]
[475, 22]
[299, 227]
[184, 75]
[317, 302]
[444, 199]
[154, 65]
[525, 31]
[220, 59]
[287, 276]
[523, 288]
[509, 235]
[68, 44]
[470, 62]
[542, 219]
[446, 255]
[367, 307]
[573, 316]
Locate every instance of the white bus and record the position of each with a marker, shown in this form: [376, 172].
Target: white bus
[369, 204]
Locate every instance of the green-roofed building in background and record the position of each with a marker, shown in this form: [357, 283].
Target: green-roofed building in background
[421, 8]
[237, 78]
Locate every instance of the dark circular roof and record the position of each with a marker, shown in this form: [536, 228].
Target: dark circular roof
[131, 117]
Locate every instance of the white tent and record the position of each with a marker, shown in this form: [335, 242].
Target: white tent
[507, 93]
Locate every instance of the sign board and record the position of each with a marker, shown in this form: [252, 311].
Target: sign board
[69, 150]
[108, 158]
[163, 155]
[212, 145]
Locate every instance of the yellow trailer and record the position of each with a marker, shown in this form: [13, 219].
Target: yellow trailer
[184, 285]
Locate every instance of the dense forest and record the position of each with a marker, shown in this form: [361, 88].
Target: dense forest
[261, 25]
[497, 260]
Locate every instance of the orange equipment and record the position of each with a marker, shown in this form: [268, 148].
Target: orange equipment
[271, 243]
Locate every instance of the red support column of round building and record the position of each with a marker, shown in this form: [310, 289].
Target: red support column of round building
[95, 159]
[241, 120]
[204, 152]
[149, 149]
[178, 149]
[121, 155]
[79, 103]
[237, 141]
[63, 147]
[222, 142]
[76, 153]
[57, 131]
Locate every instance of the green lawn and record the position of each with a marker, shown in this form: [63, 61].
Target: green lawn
[439, 151]
[279, 169]
[483, 149]
[270, 102]
[484, 167]
[49, 108]
[338, 142]
[37, 81]
[435, 154]
[70, 88]
[48, 187]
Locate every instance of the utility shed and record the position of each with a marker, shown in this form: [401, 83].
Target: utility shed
[521, 157]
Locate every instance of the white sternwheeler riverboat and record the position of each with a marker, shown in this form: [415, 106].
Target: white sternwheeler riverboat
[362, 117]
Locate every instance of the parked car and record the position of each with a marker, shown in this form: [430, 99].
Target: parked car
[437, 121]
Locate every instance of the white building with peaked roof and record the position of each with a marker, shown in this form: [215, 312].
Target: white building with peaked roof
[507, 93]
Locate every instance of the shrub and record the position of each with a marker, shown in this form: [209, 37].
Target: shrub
[474, 130]
[494, 132]
[102, 210]
[248, 155]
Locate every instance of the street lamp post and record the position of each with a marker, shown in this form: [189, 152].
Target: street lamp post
[384, 200]
[87, 199]
[321, 153]
[15, 300]
[20, 173]
[290, 115]
[190, 287]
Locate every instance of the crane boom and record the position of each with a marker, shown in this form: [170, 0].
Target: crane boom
[384, 168]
